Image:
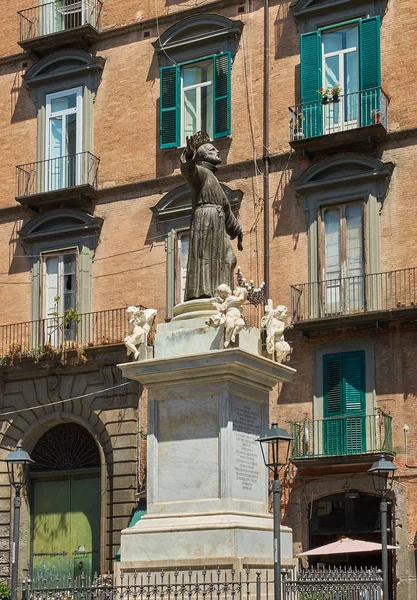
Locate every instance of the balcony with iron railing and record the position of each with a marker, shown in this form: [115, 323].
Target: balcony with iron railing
[72, 178]
[391, 295]
[62, 22]
[54, 335]
[348, 438]
[340, 120]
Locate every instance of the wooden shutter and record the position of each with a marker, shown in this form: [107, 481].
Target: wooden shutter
[222, 95]
[354, 401]
[169, 107]
[311, 81]
[332, 424]
[370, 67]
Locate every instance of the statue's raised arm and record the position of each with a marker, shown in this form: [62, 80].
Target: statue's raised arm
[211, 259]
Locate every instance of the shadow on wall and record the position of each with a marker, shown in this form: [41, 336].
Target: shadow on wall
[286, 35]
[21, 106]
[288, 214]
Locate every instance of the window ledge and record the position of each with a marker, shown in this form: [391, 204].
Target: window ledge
[44, 44]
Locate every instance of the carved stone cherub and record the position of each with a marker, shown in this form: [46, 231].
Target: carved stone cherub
[140, 326]
[273, 321]
[230, 312]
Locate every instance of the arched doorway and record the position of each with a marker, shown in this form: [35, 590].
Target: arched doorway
[65, 503]
[352, 514]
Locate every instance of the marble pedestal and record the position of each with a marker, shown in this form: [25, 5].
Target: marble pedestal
[206, 481]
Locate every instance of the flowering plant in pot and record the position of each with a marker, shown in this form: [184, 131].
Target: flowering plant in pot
[335, 91]
[376, 115]
[325, 95]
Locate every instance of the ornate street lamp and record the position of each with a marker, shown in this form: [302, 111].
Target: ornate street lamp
[382, 472]
[275, 446]
[18, 464]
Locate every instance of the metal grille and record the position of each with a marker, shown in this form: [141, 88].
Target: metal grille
[334, 584]
[64, 448]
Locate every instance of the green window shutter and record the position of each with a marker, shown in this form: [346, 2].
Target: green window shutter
[354, 401]
[370, 67]
[332, 425]
[311, 81]
[222, 95]
[169, 107]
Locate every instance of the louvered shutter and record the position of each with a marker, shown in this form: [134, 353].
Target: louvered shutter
[354, 401]
[370, 67]
[169, 107]
[222, 95]
[332, 424]
[311, 81]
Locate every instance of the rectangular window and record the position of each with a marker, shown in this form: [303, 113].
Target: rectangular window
[341, 253]
[197, 99]
[181, 274]
[341, 68]
[63, 139]
[347, 55]
[344, 424]
[61, 15]
[59, 295]
[195, 96]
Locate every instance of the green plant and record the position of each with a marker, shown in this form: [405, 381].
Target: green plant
[325, 93]
[336, 90]
[5, 591]
[36, 354]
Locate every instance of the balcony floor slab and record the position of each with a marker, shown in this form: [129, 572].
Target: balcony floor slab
[370, 133]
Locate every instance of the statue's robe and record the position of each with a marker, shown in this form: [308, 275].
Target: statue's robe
[211, 259]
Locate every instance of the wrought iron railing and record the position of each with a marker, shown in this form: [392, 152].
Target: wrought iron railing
[215, 584]
[57, 173]
[60, 15]
[390, 290]
[339, 113]
[341, 436]
[334, 584]
[31, 338]
[212, 584]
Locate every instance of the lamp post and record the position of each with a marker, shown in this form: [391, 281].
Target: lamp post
[382, 472]
[275, 446]
[18, 463]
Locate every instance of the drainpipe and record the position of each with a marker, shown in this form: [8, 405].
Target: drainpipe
[266, 156]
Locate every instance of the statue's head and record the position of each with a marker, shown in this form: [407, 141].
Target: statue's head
[224, 291]
[208, 153]
[280, 312]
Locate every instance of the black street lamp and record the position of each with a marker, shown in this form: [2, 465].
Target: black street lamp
[275, 446]
[18, 463]
[382, 472]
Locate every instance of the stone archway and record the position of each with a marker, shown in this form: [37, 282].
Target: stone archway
[65, 496]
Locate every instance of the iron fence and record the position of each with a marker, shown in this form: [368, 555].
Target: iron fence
[345, 296]
[210, 584]
[57, 173]
[170, 585]
[340, 436]
[57, 16]
[338, 113]
[86, 330]
[334, 584]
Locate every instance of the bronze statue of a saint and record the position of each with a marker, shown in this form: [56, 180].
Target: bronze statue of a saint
[211, 259]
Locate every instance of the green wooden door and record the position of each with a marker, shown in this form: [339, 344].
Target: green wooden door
[344, 425]
[66, 525]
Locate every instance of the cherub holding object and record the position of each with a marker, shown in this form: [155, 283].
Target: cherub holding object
[230, 312]
[140, 327]
[273, 321]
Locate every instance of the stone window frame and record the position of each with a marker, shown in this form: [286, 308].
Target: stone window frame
[61, 71]
[172, 214]
[340, 179]
[311, 16]
[61, 230]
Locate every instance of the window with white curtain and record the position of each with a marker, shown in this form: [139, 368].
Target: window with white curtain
[183, 246]
[342, 258]
[197, 98]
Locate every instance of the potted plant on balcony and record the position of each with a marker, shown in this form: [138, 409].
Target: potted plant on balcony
[335, 91]
[296, 124]
[376, 115]
[325, 95]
